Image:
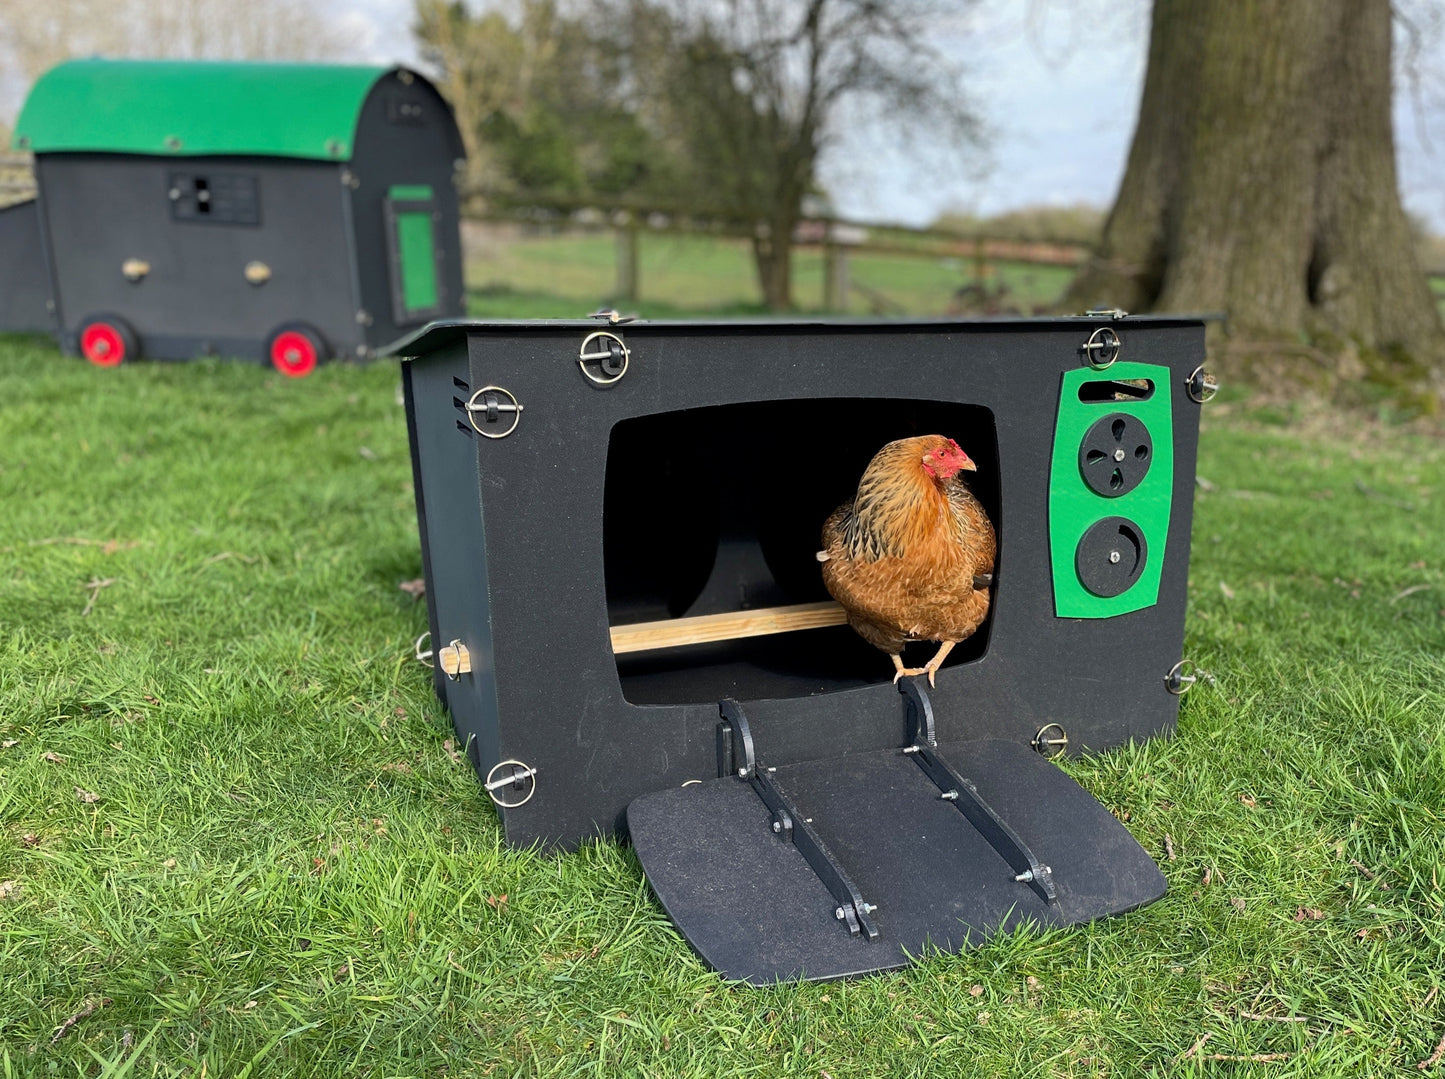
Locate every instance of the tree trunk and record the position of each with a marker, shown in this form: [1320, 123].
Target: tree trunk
[773, 254]
[1261, 183]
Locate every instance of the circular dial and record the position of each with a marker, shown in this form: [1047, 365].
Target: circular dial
[1110, 557]
[1115, 454]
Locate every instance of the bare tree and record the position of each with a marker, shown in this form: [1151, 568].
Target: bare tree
[752, 94]
[484, 63]
[37, 34]
[1262, 182]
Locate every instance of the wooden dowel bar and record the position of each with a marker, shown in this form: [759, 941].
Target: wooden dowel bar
[728, 626]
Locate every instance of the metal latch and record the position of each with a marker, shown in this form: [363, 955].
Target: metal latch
[455, 660]
[489, 404]
[1201, 385]
[1102, 348]
[603, 358]
[516, 777]
[1182, 677]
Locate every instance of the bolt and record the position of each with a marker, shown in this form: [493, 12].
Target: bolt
[839, 914]
[1113, 558]
[949, 796]
[1024, 877]
[1119, 454]
[742, 773]
[869, 908]
[777, 826]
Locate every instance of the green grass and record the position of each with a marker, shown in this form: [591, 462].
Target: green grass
[285, 873]
[687, 275]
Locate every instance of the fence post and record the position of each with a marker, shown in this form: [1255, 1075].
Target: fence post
[626, 287]
[835, 276]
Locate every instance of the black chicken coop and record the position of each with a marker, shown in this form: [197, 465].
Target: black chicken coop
[619, 526]
[288, 213]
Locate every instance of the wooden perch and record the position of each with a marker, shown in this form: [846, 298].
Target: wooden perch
[730, 625]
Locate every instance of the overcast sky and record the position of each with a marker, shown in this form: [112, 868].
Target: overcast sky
[1058, 84]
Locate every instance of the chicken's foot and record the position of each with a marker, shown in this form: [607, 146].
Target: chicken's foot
[936, 662]
[902, 670]
[930, 669]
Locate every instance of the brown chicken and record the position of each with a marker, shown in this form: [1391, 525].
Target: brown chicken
[911, 557]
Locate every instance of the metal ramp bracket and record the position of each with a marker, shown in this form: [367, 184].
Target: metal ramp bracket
[789, 824]
[963, 793]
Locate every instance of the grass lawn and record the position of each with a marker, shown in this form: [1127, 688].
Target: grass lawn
[234, 840]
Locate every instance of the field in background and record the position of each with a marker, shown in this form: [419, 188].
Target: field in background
[517, 272]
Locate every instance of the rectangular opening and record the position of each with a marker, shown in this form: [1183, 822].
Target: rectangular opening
[215, 198]
[719, 512]
[1119, 389]
[413, 253]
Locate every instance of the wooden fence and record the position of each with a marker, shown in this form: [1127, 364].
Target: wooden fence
[17, 181]
[836, 239]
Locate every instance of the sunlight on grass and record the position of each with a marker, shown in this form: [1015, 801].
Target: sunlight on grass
[232, 838]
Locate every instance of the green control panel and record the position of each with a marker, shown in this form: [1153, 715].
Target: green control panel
[1110, 488]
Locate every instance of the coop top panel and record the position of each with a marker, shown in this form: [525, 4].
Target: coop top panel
[188, 108]
[442, 332]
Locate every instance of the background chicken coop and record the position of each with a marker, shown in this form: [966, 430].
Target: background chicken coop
[619, 531]
[289, 213]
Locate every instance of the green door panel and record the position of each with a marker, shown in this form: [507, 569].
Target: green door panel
[1075, 507]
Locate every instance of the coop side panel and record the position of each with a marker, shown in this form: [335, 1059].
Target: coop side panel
[129, 239]
[454, 558]
[24, 284]
[407, 147]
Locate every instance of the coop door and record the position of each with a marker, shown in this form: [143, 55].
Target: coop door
[412, 248]
[852, 864]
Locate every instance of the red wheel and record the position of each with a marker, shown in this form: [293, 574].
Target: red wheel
[107, 342]
[295, 351]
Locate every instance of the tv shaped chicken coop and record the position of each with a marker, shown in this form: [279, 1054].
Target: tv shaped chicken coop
[286, 213]
[620, 529]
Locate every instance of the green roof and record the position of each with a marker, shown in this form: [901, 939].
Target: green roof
[184, 108]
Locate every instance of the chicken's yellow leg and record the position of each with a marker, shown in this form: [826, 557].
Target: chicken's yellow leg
[902, 670]
[944, 648]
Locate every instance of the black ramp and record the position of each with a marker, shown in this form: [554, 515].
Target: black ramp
[1098, 866]
[749, 903]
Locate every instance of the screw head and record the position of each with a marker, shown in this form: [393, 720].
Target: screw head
[839, 914]
[777, 826]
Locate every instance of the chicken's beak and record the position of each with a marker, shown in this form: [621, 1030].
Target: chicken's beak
[968, 465]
